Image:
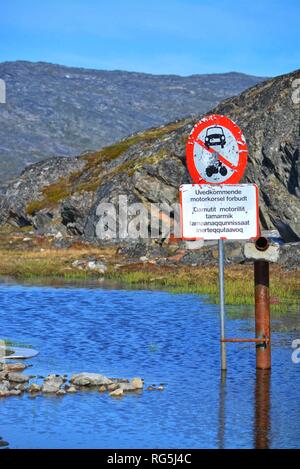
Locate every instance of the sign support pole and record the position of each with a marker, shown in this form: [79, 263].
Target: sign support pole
[222, 303]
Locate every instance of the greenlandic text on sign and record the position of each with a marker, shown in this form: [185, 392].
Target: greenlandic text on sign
[219, 211]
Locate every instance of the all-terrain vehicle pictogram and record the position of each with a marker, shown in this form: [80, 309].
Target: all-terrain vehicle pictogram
[215, 136]
[215, 166]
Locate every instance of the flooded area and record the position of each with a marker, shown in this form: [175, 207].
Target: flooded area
[162, 337]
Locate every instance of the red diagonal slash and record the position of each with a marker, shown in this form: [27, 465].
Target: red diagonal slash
[214, 152]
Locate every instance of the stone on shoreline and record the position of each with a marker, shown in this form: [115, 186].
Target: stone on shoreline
[97, 266]
[89, 379]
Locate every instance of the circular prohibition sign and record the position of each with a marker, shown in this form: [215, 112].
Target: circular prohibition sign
[216, 151]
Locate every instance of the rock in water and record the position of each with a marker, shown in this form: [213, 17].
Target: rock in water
[55, 379]
[3, 375]
[52, 384]
[151, 388]
[137, 383]
[117, 393]
[89, 379]
[3, 443]
[112, 386]
[21, 387]
[103, 388]
[49, 388]
[15, 392]
[34, 388]
[14, 366]
[18, 377]
[71, 390]
[4, 386]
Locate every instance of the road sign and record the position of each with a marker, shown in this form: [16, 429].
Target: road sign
[219, 211]
[216, 151]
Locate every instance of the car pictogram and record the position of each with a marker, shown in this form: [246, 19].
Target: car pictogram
[215, 136]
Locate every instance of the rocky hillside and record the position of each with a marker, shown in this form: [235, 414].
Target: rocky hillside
[53, 110]
[61, 195]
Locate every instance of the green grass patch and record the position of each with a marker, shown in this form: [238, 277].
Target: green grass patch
[239, 288]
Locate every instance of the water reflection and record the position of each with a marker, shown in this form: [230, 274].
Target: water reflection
[164, 338]
[262, 409]
[221, 429]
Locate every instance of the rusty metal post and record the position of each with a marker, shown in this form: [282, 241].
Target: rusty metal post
[262, 314]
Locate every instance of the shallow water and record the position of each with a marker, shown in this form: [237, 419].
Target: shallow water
[164, 338]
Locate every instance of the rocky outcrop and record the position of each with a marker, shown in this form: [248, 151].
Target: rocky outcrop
[29, 187]
[149, 167]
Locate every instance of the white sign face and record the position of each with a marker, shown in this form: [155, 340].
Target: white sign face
[208, 162]
[216, 151]
[219, 211]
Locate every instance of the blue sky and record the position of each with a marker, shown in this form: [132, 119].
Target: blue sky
[260, 37]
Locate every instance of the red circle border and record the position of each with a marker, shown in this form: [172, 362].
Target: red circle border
[215, 119]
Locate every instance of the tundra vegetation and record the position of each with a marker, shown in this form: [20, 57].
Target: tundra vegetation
[27, 257]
